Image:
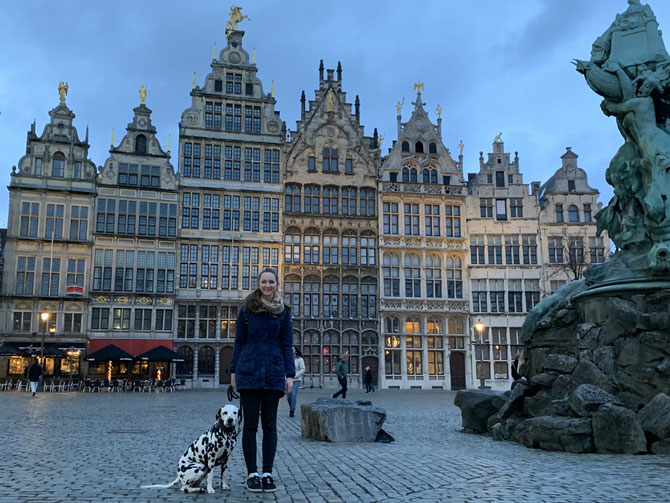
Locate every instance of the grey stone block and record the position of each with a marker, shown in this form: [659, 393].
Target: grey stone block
[476, 408]
[587, 399]
[661, 447]
[334, 420]
[587, 373]
[556, 433]
[617, 430]
[545, 379]
[655, 416]
[560, 363]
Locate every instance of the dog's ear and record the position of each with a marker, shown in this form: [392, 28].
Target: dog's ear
[218, 415]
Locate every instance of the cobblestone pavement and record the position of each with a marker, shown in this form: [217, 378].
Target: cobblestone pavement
[83, 447]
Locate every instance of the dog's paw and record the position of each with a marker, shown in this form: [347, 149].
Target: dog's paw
[225, 486]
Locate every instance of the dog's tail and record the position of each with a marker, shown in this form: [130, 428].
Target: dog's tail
[160, 486]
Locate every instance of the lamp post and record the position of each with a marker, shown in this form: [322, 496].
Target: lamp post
[45, 319]
[480, 327]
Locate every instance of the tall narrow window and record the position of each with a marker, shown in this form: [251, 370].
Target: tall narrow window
[140, 144]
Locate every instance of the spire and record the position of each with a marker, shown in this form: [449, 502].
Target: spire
[112, 142]
[302, 103]
[321, 70]
[168, 146]
[374, 143]
[357, 107]
[193, 80]
[339, 71]
[272, 90]
[253, 60]
[214, 52]
[418, 87]
[86, 139]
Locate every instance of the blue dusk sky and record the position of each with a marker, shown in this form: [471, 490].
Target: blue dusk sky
[493, 66]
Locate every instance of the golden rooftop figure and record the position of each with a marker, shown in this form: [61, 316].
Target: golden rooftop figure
[62, 91]
[498, 139]
[143, 95]
[398, 106]
[460, 147]
[235, 17]
[438, 111]
[418, 87]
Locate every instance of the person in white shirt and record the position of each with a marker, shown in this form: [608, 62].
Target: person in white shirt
[297, 380]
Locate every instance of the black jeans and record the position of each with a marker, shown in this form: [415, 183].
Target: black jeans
[343, 391]
[263, 402]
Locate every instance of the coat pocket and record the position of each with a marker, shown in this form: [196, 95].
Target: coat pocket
[247, 365]
[276, 366]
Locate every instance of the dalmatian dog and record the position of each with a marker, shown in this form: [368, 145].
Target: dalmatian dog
[213, 448]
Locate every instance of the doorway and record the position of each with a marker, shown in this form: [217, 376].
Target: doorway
[225, 357]
[457, 369]
[373, 363]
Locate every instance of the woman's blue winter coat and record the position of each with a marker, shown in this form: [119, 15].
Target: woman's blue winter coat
[263, 354]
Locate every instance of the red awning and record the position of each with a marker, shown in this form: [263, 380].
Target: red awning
[133, 346]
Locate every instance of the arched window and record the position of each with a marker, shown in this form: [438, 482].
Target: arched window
[405, 175]
[292, 246]
[348, 201]
[454, 278]
[367, 254]
[185, 368]
[573, 213]
[391, 272]
[349, 297]
[58, 165]
[433, 277]
[349, 248]
[434, 326]
[311, 247]
[311, 297]
[330, 201]
[140, 144]
[367, 202]
[432, 148]
[392, 325]
[206, 360]
[433, 176]
[311, 349]
[418, 147]
[312, 199]
[331, 240]
[331, 297]
[292, 293]
[412, 275]
[412, 175]
[426, 176]
[292, 198]
[405, 146]
[412, 326]
[369, 298]
[456, 326]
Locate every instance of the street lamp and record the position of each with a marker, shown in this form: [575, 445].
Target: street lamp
[45, 318]
[480, 327]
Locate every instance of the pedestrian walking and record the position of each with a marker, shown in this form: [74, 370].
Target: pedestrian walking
[342, 371]
[367, 380]
[262, 370]
[515, 370]
[34, 373]
[299, 363]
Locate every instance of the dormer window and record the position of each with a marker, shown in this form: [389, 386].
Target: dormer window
[405, 147]
[571, 185]
[432, 148]
[500, 178]
[140, 144]
[58, 165]
[418, 147]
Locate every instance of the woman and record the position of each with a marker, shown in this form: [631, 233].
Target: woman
[299, 363]
[262, 369]
[367, 380]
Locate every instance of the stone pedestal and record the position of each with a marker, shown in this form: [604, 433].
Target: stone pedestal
[336, 420]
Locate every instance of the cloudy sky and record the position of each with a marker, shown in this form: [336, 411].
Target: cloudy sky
[493, 66]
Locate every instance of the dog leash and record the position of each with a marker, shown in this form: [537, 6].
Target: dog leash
[232, 395]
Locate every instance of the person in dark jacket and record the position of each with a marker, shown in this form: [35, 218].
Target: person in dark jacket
[262, 370]
[342, 371]
[34, 373]
[515, 370]
[367, 380]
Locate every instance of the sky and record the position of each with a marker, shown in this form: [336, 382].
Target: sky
[493, 66]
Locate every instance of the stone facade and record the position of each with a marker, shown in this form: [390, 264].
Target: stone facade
[423, 307]
[48, 246]
[231, 143]
[330, 234]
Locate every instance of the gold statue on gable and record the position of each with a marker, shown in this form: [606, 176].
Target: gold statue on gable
[460, 147]
[62, 91]
[398, 106]
[498, 139]
[235, 17]
[143, 95]
[418, 87]
[330, 101]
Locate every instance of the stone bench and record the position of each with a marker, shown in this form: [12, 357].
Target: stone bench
[337, 420]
